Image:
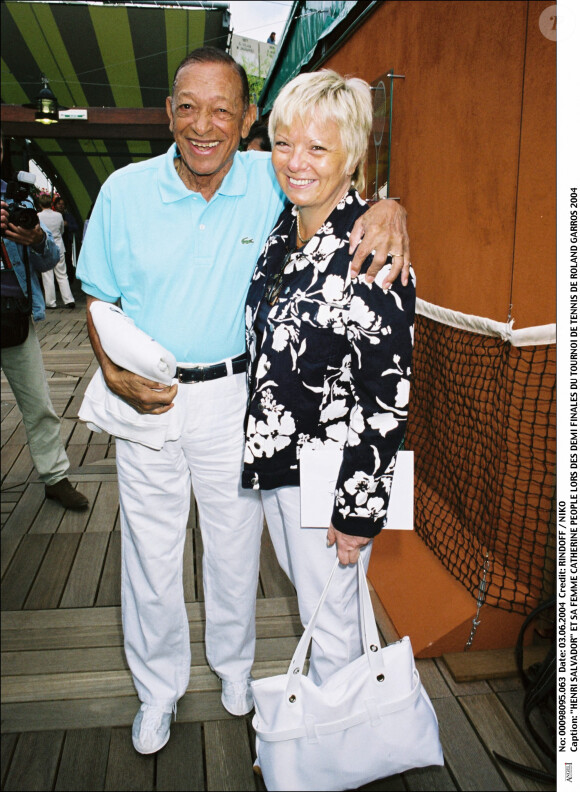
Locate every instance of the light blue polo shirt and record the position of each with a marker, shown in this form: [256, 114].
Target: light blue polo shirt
[181, 265]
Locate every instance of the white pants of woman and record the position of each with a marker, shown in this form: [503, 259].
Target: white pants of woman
[154, 489]
[303, 555]
[59, 272]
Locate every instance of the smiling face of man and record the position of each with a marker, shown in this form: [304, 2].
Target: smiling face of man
[208, 119]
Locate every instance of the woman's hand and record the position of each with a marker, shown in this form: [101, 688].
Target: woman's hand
[380, 232]
[347, 546]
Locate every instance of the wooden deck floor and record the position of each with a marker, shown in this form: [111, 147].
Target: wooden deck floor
[67, 696]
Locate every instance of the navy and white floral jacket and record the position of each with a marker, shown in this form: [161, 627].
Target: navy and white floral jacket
[334, 363]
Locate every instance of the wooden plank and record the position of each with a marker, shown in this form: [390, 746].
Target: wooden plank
[95, 617]
[198, 551]
[35, 761]
[428, 779]
[93, 455]
[465, 756]
[109, 592]
[53, 574]
[72, 714]
[461, 688]
[105, 509]
[61, 638]
[490, 663]
[48, 518]
[21, 470]
[9, 546]
[19, 578]
[105, 684]
[228, 756]
[77, 521]
[8, 457]
[83, 764]
[513, 701]
[499, 733]
[126, 769]
[56, 661]
[87, 713]
[180, 764]
[27, 508]
[50, 687]
[93, 634]
[189, 557]
[64, 618]
[432, 679]
[81, 588]
[8, 744]
[103, 658]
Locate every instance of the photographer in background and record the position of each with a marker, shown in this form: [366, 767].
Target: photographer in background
[28, 242]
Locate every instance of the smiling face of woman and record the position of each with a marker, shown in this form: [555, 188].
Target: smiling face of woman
[310, 164]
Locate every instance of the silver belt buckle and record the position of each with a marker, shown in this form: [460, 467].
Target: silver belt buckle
[190, 368]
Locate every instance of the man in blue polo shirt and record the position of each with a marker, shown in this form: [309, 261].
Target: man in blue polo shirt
[176, 239]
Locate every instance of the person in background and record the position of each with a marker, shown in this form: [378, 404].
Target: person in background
[70, 229]
[176, 239]
[271, 38]
[258, 139]
[22, 364]
[54, 221]
[330, 356]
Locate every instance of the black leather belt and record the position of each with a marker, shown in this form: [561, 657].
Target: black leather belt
[215, 371]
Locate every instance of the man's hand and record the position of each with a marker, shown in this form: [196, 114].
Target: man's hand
[145, 396]
[23, 236]
[382, 231]
[347, 546]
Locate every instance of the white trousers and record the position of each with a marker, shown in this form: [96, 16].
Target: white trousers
[155, 488]
[303, 555]
[59, 272]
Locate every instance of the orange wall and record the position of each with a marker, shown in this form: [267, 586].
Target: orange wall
[473, 148]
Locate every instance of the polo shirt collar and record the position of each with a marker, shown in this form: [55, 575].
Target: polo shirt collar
[173, 189]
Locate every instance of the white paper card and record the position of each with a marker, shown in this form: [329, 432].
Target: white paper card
[319, 467]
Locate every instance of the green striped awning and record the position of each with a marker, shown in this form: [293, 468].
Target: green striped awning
[95, 55]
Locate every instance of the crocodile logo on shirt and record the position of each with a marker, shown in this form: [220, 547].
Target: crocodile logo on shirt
[247, 241]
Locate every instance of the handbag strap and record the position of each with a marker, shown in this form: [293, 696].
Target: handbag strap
[320, 729]
[371, 643]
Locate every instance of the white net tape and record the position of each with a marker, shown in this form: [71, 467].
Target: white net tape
[527, 336]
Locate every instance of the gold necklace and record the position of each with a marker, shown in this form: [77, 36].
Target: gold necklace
[304, 241]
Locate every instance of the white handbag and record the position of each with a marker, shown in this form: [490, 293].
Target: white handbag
[369, 720]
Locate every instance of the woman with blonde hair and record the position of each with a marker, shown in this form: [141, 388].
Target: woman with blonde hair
[330, 356]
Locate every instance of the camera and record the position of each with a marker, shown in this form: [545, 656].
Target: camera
[17, 191]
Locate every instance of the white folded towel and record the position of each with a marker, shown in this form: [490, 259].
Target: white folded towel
[103, 410]
[129, 347]
[132, 349]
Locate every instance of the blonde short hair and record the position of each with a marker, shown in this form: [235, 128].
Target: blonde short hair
[330, 97]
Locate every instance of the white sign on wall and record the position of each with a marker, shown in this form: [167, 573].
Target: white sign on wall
[255, 56]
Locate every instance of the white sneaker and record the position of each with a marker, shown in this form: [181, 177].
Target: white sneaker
[151, 729]
[237, 697]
